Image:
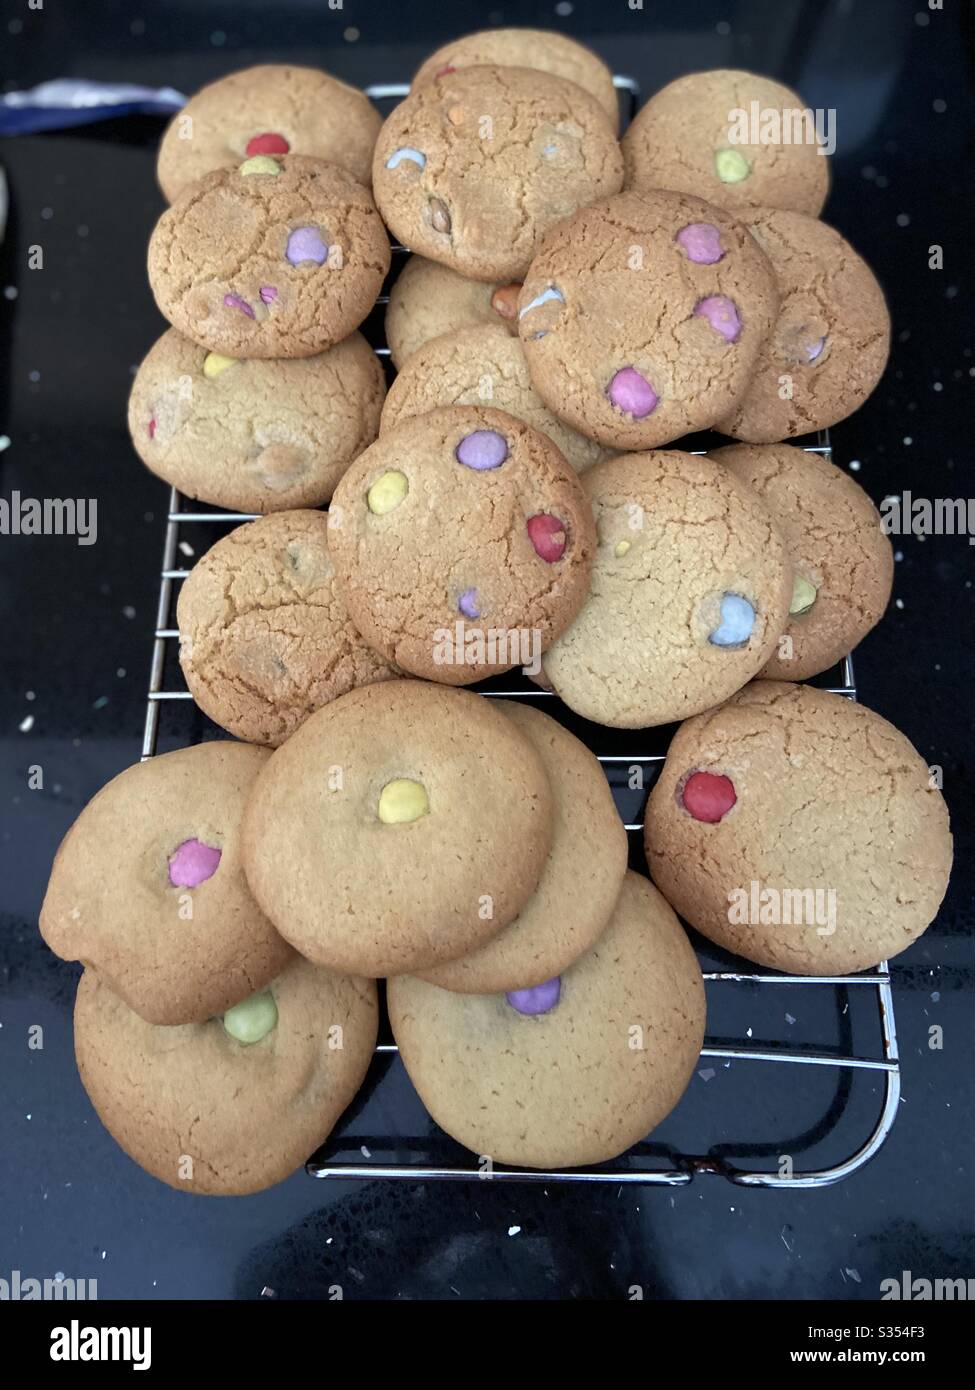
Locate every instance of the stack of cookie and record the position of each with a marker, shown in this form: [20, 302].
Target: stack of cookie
[572, 305]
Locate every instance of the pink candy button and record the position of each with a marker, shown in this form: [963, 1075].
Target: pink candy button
[192, 863]
[632, 393]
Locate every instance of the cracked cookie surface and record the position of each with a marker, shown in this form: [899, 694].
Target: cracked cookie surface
[206, 1113]
[377, 881]
[482, 366]
[274, 107]
[682, 139]
[642, 317]
[281, 260]
[677, 537]
[482, 559]
[265, 639]
[148, 887]
[830, 342]
[543, 50]
[829, 798]
[257, 435]
[842, 560]
[474, 167]
[582, 1081]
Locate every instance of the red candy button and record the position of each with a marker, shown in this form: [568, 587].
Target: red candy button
[268, 143]
[444, 71]
[708, 796]
[152, 429]
[547, 535]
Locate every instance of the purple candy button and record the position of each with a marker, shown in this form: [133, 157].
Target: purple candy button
[306, 244]
[722, 314]
[537, 1000]
[234, 301]
[481, 450]
[632, 393]
[814, 349]
[701, 241]
[268, 294]
[192, 863]
[468, 605]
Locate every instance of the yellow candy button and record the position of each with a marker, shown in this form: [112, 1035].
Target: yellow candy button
[387, 492]
[260, 164]
[804, 595]
[402, 801]
[621, 548]
[214, 363]
[731, 166]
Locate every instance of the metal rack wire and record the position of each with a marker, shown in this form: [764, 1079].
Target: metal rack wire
[684, 1166]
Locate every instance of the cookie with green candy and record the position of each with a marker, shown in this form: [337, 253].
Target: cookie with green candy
[842, 561]
[234, 1103]
[734, 138]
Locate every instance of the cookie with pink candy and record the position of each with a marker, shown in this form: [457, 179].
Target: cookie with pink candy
[282, 256]
[642, 317]
[148, 889]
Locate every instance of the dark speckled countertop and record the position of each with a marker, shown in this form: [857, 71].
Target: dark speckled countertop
[77, 623]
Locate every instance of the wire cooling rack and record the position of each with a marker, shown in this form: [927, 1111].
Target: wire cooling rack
[648, 1164]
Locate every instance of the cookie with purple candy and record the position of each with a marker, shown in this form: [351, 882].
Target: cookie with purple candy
[148, 889]
[462, 543]
[642, 317]
[574, 1070]
[281, 257]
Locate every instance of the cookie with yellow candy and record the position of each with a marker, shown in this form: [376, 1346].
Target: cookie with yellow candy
[403, 825]
[264, 111]
[254, 435]
[842, 561]
[237, 1102]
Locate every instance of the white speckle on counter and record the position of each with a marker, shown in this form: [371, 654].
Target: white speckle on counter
[903, 220]
[898, 555]
[898, 603]
[128, 611]
[908, 440]
[4, 442]
[855, 465]
[186, 548]
[936, 997]
[854, 1275]
[514, 1230]
[707, 1073]
[26, 724]
[365, 1152]
[789, 1018]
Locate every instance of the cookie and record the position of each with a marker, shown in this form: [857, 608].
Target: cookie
[831, 340]
[574, 1071]
[280, 257]
[800, 830]
[265, 639]
[474, 167]
[272, 109]
[734, 138]
[690, 592]
[148, 888]
[236, 1103]
[580, 883]
[414, 823]
[544, 50]
[842, 561]
[462, 544]
[428, 299]
[258, 435]
[482, 366]
[642, 317]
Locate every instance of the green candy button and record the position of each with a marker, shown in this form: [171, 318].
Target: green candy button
[252, 1019]
[804, 595]
[731, 166]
